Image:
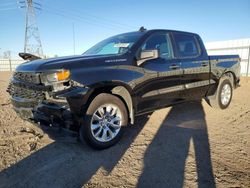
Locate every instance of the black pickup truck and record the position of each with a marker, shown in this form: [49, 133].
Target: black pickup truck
[105, 88]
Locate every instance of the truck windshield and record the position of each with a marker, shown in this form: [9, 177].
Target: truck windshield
[118, 44]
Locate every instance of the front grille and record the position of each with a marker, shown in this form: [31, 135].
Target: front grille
[27, 77]
[16, 91]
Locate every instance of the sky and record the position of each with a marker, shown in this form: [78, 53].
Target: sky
[95, 20]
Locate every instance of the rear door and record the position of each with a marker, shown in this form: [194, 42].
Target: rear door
[194, 61]
[160, 84]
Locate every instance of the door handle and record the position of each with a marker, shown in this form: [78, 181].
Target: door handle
[174, 66]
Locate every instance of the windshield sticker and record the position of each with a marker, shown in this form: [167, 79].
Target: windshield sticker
[121, 45]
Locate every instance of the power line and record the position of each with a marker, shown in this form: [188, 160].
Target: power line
[32, 37]
[94, 17]
[5, 9]
[8, 6]
[89, 18]
[82, 17]
[83, 20]
[8, 1]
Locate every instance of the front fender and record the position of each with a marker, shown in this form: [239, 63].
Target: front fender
[107, 74]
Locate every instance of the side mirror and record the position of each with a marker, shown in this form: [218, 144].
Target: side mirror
[147, 55]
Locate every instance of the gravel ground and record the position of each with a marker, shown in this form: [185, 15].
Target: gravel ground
[188, 145]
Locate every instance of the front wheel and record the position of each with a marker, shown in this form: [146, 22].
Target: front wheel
[103, 123]
[223, 95]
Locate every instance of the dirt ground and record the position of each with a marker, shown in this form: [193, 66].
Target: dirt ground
[188, 145]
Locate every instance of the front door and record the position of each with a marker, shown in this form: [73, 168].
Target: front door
[161, 83]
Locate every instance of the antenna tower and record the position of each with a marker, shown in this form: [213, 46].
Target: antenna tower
[32, 43]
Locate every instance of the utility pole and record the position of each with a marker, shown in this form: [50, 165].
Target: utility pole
[7, 55]
[248, 63]
[32, 42]
[74, 43]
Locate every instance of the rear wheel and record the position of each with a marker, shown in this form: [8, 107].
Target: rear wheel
[226, 94]
[223, 95]
[103, 123]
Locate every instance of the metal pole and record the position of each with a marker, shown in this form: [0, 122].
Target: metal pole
[74, 46]
[10, 64]
[248, 61]
[26, 30]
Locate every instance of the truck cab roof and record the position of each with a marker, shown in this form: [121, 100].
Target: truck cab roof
[166, 30]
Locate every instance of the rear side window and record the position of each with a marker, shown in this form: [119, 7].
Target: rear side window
[186, 45]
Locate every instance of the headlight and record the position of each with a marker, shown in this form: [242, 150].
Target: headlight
[58, 76]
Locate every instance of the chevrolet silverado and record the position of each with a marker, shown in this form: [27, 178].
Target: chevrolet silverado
[107, 87]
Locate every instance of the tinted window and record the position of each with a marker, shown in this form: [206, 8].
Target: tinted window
[186, 45]
[160, 42]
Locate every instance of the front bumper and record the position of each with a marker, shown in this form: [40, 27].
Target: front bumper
[43, 105]
[54, 114]
[23, 107]
[29, 109]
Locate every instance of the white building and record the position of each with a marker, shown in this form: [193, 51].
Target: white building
[231, 47]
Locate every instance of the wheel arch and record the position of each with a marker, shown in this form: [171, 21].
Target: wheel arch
[120, 90]
[124, 94]
[229, 74]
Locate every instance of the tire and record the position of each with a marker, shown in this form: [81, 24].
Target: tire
[103, 122]
[223, 95]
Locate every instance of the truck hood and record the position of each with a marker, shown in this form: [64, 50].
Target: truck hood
[67, 62]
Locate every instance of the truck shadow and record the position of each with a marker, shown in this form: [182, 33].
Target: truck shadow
[166, 157]
[65, 162]
[68, 164]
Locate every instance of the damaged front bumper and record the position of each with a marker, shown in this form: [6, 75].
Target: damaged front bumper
[41, 104]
